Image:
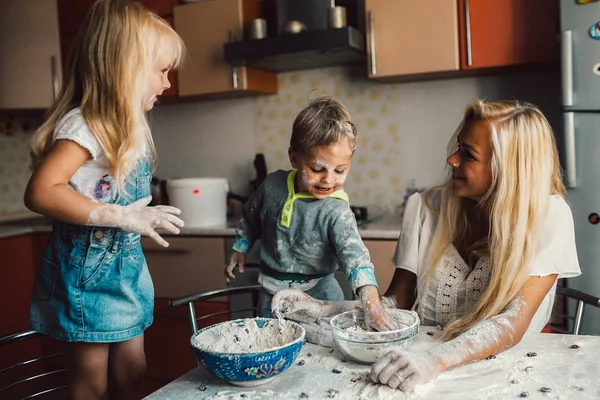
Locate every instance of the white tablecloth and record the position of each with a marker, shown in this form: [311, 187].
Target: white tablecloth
[566, 372]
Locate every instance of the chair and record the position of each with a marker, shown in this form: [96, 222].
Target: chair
[35, 377]
[561, 310]
[228, 292]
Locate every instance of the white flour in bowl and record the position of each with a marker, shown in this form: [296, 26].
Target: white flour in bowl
[245, 336]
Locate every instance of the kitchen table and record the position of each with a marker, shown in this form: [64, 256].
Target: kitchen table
[541, 366]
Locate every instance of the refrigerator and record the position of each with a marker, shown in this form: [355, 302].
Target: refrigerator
[580, 76]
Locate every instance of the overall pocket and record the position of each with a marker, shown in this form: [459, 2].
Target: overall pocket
[96, 266]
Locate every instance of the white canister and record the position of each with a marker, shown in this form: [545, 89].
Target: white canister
[202, 201]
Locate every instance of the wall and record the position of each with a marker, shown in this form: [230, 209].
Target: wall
[15, 138]
[403, 131]
[404, 128]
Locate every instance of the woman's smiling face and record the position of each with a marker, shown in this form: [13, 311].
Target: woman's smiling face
[471, 163]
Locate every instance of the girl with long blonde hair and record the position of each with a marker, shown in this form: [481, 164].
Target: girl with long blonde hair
[481, 255]
[92, 169]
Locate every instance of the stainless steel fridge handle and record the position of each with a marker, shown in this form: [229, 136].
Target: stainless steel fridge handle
[234, 77]
[566, 45]
[54, 77]
[372, 57]
[570, 151]
[234, 71]
[468, 33]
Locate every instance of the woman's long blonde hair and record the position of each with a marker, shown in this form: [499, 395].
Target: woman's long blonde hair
[111, 61]
[525, 173]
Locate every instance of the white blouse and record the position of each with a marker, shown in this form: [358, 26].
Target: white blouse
[456, 286]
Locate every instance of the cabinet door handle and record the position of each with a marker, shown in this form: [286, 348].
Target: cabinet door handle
[566, 60]
[372, 55]
[175, 252]
[468, 33]
[570, 151]
[54, 77]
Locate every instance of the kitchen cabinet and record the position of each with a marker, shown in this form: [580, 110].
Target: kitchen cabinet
[20, 257]
[205, 26]
[30, 64]
[407, 37]
[187, 266]
[71, 14]
[507, 32]
[382, 254]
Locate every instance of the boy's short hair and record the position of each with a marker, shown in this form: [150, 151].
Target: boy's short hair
[323, 122]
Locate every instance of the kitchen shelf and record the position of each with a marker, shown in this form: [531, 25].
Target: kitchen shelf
[305, 50]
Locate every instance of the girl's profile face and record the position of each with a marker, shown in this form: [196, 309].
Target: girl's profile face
[158, 82]
[322, 170]
[471, 163]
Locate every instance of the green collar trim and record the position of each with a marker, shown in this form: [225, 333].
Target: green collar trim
[288, 207]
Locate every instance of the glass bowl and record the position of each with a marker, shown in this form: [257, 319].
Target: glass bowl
[359, 345]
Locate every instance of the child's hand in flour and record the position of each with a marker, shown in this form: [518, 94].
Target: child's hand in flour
[402, 370]
[376, 316]
[138, 218]
[296, 305]
[237, 259]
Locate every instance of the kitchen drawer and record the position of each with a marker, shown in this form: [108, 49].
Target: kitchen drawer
[189, 265]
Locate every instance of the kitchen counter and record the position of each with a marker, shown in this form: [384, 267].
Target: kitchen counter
[385, 227]
[25, 227]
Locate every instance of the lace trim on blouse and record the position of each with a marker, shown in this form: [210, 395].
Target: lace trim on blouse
[456, 273]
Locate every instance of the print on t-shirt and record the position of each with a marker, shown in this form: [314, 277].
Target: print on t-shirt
[103, 189]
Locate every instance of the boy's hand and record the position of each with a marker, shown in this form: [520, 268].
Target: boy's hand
[237, 259]
[376, 316]
[296, 305]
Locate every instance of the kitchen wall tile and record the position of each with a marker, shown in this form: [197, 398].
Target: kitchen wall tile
[403, 129]
[15, 139]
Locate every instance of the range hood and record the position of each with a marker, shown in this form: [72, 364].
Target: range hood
[305, 50]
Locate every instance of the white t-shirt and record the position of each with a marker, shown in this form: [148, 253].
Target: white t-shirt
[93, 178]
[455, 286]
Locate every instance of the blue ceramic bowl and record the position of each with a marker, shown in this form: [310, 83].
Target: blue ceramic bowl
[247, 367]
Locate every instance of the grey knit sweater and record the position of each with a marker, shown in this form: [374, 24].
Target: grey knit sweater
[303, 237]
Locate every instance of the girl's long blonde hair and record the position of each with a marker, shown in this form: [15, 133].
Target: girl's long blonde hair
[525, 173]
[112, 58]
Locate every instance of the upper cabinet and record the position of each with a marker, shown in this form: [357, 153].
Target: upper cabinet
[406, 37]
[507, 32]
[30, 65]
[71, 14]
[205, 26]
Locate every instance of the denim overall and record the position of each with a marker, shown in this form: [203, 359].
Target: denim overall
[93, 284]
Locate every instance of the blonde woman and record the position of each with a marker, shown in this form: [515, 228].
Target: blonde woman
[91, 162]
[480, 257]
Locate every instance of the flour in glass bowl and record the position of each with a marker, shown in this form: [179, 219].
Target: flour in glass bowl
[245, 336]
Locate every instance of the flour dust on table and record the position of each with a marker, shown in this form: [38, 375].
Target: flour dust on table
[519, 373]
